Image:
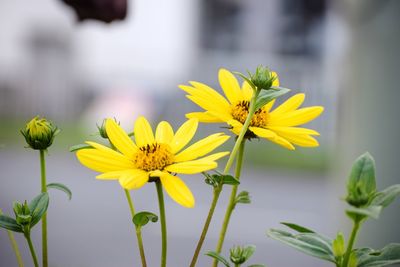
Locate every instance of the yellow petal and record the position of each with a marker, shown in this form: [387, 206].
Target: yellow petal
[247, 91]
[192, 167]
[202, 147]
[207, 103]
[133, 179]
[292, 130]
[236, 126]
[289, 105]
[296, 117]
[262, 132]
[271, 136]
[119, 138]
[276, 81]
[103, 160]
[164, 133]
[267, 107]
[143, 132]
[204, 90]
[114, 175]
[184, 134]
[301, 140]
[177, 189]
[203, 117]
[215, 156]
[230, 86]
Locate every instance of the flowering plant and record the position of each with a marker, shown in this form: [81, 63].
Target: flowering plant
[146, 156]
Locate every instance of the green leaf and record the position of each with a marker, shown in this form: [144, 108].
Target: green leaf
[266, 96]
[246, 79]
[249, 251]
[309, 243]
[387, 196]
[61, 187]
[243, 197]
[218, 257]
[79, 147]
[368, 257]
[370, 211]
[297, 227]
[9, 224]
[228, 179]
[38, 206]
[142, 218]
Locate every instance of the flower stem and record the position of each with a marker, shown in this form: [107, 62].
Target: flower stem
[44, 218]
[239, 143]
[32, 249]
[163, 224]
[14, 246]
[217, 192]
[138, 230]
[356, 227]
[232, 201]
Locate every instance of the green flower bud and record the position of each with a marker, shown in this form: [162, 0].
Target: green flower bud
[22, 213]
[239, 255]
[39, 133]
[102, 129]
[264, 78]
[353, 260]
[338, 245]
[361, 185]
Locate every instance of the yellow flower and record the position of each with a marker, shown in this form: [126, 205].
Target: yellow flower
[278, 125]
[153, 157]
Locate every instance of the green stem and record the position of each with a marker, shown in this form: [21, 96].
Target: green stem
[138, 229]
[352, 239]
[163, 224]
[232, 203]
[32, 249]
[217, 192]
[14, 246]
[44, 218]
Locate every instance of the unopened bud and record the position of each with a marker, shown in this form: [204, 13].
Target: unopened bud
[39, 133]
[338, 245]
[264, 78]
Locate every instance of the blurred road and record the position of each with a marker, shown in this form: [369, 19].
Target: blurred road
[94, 228]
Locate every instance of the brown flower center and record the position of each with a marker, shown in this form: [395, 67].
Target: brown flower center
[240, 111]
[153, 157]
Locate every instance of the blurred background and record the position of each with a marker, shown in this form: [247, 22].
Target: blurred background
[74, 70]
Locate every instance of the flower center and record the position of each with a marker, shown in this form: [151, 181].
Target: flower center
[153, 157]
[241, 110]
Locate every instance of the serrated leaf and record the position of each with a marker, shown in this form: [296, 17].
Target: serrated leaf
[38, 206]
[298, 228]
[267, 96]
[385, 197]
[218, 257]
[79, 147]
[370, 211]
[243, 197]
[9, 223]
[368, 257]
[60, 187]
[309, 243]
[142, 218]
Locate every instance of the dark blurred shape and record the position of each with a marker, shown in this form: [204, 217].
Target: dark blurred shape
[102, 10]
